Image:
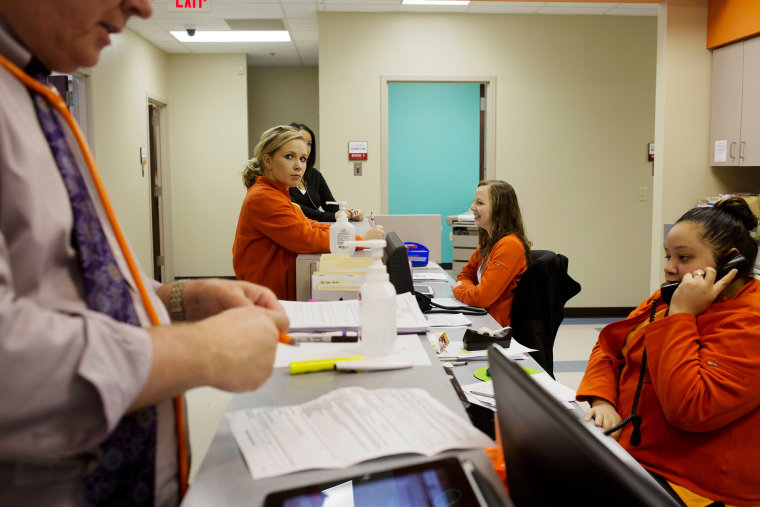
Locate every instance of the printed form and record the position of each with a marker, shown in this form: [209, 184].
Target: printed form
[345, 315]
[348, 426]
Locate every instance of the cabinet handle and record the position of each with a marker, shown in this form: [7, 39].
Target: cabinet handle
[731, 149]
[741, 149]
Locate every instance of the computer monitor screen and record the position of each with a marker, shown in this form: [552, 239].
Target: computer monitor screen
[397, 263]
[554, 457]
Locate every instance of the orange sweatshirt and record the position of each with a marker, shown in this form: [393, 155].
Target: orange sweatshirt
[496, 290]
[271, 231]
[700, 402]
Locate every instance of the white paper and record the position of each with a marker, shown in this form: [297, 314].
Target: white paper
[448, 320]
[408, 348]
[449, 302]
[559, 391]
[721, 148]
[455, 350]
[434, 276]
[345, 315]
[467, 216]
[348, 426]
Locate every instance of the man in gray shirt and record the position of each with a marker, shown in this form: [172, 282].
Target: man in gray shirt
[69, 373]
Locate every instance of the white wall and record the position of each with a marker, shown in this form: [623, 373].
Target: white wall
[575, 104]
[683, 175]
[279, 96]
[208, 125]
[129, 70]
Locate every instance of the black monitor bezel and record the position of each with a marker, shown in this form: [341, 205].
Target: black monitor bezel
[553, 456]
[397, 264]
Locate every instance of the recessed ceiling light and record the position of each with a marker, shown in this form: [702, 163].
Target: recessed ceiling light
[233, 36]
[435, 2]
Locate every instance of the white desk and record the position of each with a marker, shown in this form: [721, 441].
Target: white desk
[424, 229]
[223, 478]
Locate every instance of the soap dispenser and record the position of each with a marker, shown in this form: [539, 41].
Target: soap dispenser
[377, 306]
[341, 231]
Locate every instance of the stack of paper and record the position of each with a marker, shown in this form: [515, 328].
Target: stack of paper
[559, 391]
[345, 315]
[348, 426]
[340, 272]
[456, 351]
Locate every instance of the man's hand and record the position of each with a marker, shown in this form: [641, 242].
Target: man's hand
[207, 297]
[238, 347]
[233, 350]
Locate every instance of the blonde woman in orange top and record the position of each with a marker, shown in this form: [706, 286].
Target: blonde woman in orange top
[272, 230]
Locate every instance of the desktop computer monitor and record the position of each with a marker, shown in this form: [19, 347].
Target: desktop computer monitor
[555, 458]
[397, 263]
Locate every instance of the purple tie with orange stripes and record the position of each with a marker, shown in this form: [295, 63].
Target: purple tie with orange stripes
[125, 474]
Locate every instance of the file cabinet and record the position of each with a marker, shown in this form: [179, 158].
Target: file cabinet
[464, 241]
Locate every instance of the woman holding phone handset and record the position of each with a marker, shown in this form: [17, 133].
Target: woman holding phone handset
[686, 375]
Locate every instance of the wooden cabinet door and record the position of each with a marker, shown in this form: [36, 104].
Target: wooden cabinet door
[725, 122]
[749, 148]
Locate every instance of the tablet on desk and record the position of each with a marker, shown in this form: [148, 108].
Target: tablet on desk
[447, 481]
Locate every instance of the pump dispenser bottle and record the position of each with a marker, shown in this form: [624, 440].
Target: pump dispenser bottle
[341, 231]
[377, 304]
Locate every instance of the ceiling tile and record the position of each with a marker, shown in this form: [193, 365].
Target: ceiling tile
[302, 23]
[300, 19]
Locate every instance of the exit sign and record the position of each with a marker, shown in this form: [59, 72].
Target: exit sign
[190, 5]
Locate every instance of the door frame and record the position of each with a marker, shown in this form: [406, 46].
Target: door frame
[490, 127]
[162, 144]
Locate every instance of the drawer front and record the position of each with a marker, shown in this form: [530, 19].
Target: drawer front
[464, 241]
[461, 254]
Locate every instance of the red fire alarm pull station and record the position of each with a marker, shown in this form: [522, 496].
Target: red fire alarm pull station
[651, 152]
[357, 150]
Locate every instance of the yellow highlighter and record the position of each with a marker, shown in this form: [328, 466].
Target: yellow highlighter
[297, 367]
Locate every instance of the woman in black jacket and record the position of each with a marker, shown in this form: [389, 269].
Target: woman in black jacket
[312, 191]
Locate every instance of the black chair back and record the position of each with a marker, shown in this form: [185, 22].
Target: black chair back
[539, 304]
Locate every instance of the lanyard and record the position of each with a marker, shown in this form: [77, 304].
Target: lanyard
[59, 105]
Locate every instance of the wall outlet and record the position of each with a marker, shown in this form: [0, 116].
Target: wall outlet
[643, 194]
[357, 168]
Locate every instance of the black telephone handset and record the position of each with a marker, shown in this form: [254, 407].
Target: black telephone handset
[733, 261]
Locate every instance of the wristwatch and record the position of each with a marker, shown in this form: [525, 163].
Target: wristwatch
[176, 303]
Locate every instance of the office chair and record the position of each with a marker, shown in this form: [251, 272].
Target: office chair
[539, 303]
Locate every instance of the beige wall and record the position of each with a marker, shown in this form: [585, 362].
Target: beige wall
[207, 146]
[279, 96]
[683, 175]
[208, 125]
[128, 71]
[575, 102]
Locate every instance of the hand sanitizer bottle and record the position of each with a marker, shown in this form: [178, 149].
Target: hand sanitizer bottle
[341, 231]
[377, 304]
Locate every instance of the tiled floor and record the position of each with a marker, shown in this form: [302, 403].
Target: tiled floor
[575, 339]
[572, 347]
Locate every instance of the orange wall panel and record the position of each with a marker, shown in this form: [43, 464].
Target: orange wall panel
[731, 20]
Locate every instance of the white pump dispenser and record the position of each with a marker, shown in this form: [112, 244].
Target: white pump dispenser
[377, 305]
[341, 231]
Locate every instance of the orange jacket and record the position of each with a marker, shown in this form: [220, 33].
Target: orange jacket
[501, 272]
[271, 231]
[700, 403]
